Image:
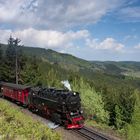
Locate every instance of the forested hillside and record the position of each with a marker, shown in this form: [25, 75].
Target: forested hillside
[109, 93]
[67, 61]
[76, 64]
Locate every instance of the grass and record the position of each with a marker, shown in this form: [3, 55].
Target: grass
[14, 125]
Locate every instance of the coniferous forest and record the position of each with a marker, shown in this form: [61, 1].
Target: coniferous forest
[109, 99]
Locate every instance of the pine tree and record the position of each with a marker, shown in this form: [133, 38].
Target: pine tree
[14, 61]
[1, 62]
[1, 53]
[133, 128]
[119, 117]
[10, 55]
[21, 61]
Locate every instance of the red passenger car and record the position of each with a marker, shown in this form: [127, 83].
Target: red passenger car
[16, 92]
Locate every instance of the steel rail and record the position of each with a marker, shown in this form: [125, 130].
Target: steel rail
[91, 134]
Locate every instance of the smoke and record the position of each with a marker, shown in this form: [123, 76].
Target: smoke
[66, 84]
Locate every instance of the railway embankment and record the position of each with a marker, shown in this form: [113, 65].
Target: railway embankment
[15, 125]
[23, 124]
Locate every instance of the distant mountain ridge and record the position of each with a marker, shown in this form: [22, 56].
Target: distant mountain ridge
[70, 62]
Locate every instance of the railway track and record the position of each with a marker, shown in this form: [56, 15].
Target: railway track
[91, 134]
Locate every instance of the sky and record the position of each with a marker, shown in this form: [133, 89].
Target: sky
[89, 29]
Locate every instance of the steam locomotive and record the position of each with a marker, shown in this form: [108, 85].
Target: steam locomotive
[61, 106]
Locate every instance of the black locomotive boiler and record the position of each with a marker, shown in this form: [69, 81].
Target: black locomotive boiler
[61, 106]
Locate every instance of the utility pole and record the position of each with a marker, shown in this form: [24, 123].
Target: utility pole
[16, 41]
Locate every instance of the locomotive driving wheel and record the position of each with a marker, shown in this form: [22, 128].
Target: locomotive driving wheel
[56, 118]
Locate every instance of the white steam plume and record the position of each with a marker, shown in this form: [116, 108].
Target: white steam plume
[66, 84]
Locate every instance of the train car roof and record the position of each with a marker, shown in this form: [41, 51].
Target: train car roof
[15, 86]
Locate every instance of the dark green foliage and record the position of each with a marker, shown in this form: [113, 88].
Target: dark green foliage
[133, 128]
[9, 66]
[92, 101]
[1, 53]
[9, 62]
[22, 59]
[120, 103]
[31, 73]
[1, 63]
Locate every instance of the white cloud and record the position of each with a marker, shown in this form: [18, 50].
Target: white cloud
[133, 12]
[54, 13]
[44, 38]
[106, 44]
[18, 13]
[79, 43]
[57, 39]
[4, 35]
[130, 14]
[8, 10]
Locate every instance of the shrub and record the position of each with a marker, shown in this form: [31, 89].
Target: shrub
[133, 129]
[91, 101]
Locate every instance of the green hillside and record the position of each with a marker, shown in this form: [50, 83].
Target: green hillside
[75, 64]
[70, 62]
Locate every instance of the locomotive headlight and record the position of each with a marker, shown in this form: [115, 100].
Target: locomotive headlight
[71, 113]
[74, 93]
[81, 111]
